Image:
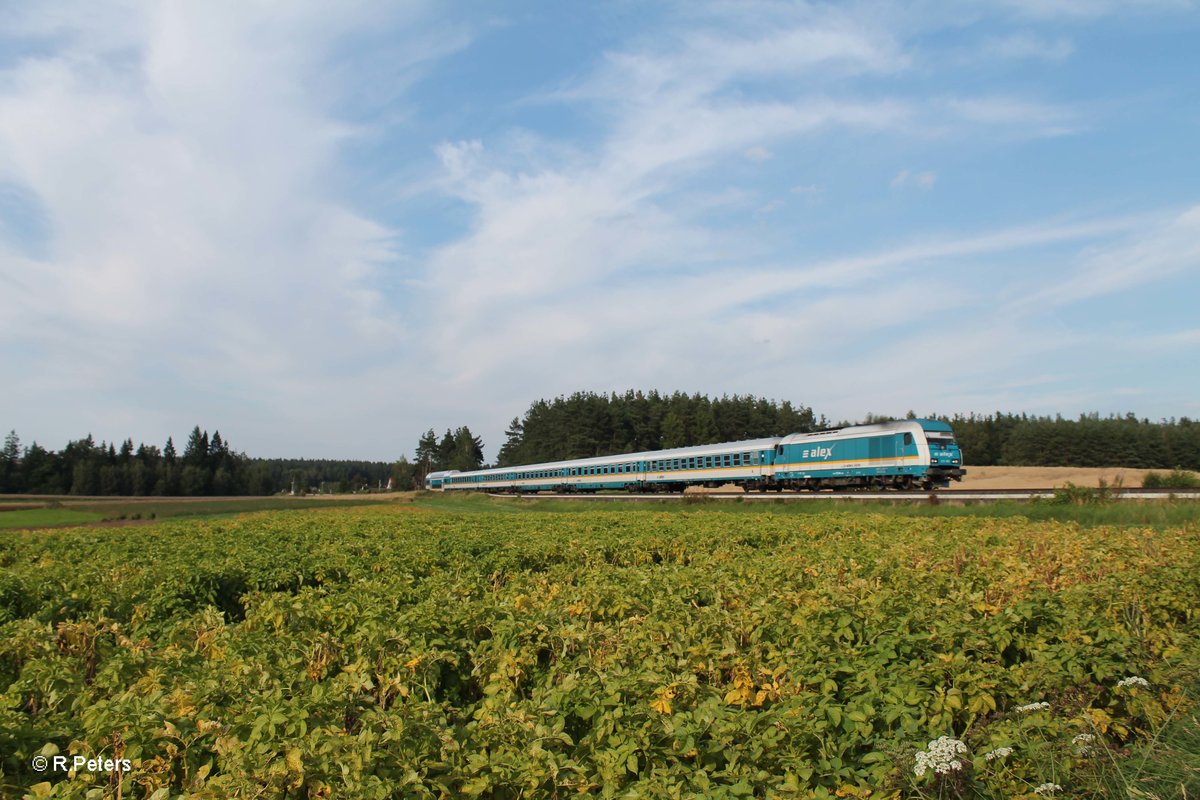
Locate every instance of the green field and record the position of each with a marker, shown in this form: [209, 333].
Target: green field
[38, 513]
[47, 517]
[500, 649]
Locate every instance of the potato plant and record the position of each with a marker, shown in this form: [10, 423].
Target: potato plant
[402, 652]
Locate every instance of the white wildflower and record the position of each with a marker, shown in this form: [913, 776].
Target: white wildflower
[1133, 680]
[1033, 707]
[999, 752]
[1048, 788]
[1083, 738]
[939, 756]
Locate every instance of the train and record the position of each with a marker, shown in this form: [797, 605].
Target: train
[904, 454]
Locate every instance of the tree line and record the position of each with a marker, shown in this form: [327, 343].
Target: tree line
[208, 466]
[589, 424]
[1090, 441]
[581, 425]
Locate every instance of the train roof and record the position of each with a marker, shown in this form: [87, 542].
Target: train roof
[621, 458]
[860, 430]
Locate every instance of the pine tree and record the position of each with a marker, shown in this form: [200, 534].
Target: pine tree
[674, 430]
[468, 450]
[445, 451]
[195, 452]
[10, 464]
[427, 454]
[510, 451]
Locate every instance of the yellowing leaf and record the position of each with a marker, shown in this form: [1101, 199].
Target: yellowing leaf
[1100, 719]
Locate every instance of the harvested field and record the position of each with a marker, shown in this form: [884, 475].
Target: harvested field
[1050, 477]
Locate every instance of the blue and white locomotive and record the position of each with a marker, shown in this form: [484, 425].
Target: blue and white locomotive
[906, 454]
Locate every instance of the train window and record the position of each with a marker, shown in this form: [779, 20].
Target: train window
[908, 438]
[737, 459]
[745, 458]
[728, 461]
[779, 449]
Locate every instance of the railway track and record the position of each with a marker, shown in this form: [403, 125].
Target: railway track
[942, 495]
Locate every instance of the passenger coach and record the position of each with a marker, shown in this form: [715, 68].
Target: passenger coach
[906, 454]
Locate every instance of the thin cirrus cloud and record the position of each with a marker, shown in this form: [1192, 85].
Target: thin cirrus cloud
[919, 179]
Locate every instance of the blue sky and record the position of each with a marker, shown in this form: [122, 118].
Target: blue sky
[325, 228]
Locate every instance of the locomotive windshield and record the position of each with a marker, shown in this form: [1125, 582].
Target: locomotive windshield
[940, 439]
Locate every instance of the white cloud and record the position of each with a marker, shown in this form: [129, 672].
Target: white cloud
[920, 179]
[758, 153]
[200, 251]
[1162, 249]
[1025, 46]
[1024, 118]
[1087, 9]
